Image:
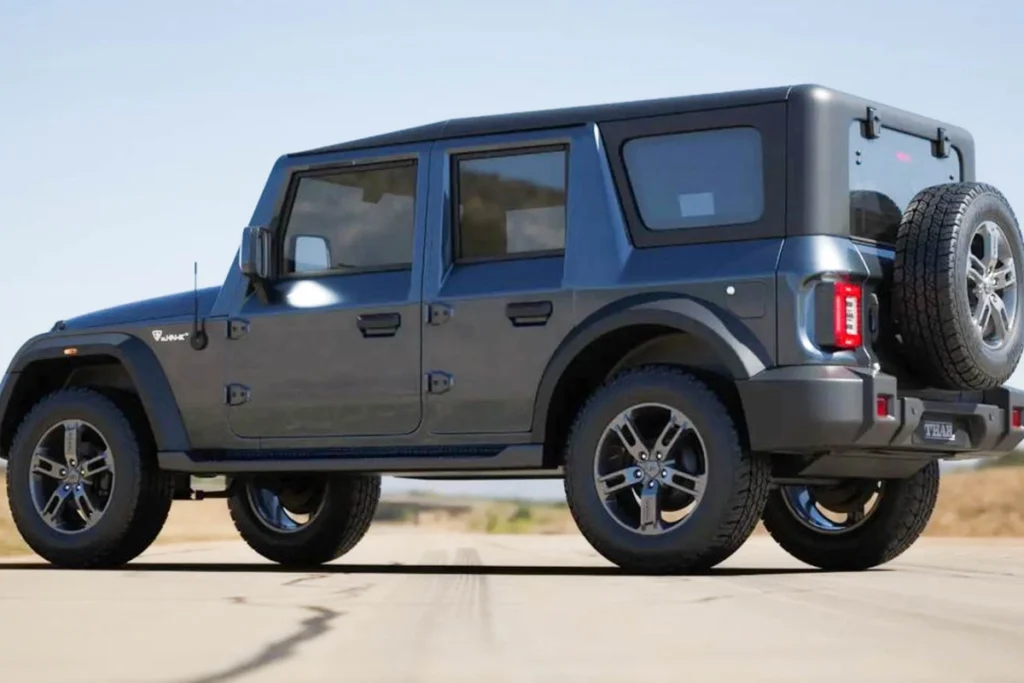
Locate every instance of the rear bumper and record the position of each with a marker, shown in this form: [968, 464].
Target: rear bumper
[812, 409]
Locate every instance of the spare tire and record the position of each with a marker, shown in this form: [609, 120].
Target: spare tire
[955, 297]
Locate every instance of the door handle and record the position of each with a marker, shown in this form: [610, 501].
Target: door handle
[379, 324]
[529, 313]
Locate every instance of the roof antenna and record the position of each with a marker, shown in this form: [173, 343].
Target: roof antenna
[198, 338]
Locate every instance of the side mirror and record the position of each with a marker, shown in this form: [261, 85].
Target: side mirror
[254, 255]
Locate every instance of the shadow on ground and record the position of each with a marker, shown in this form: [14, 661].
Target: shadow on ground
[424, 569]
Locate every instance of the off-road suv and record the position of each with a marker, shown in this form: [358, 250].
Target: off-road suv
[784, 305]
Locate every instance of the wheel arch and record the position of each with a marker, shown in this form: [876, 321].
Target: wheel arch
[116, 361]
[628, 332]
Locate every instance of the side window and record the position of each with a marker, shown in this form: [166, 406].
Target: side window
[699, 179]
[511, 204]
[352, 220]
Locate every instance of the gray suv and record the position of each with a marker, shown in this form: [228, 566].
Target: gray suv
[701, 312]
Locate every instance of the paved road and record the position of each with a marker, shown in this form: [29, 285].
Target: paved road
[410, 607]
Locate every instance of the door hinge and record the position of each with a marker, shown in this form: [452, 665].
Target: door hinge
[438, 314]
[237, 328]
[236, 394]
[439, 382]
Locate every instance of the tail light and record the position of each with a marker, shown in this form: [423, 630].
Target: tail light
[847, 299]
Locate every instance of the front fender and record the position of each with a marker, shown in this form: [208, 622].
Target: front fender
[139, 362]
[739, 350]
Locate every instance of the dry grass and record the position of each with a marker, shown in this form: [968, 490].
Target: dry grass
[984, 503]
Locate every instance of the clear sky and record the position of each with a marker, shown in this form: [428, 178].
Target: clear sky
[135, 137]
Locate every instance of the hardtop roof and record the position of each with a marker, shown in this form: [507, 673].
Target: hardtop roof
[569, 116]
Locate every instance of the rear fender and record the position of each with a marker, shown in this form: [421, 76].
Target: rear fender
[741, 354]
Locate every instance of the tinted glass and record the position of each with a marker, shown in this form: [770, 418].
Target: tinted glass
[364, 219]
[700, 179]
[511, 205]
[885, 174]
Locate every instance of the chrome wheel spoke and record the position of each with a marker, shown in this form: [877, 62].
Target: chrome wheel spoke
[1005, 276]
[85, 506]
[681, 481]
[51, 512]
[982, 313]
[991, 241]
[617, 481]
[669, 436]
[629, 437]
[1000, 316]
[976, 270]
[650, 516]
[96, 465]
[72, 441]
[47, 467]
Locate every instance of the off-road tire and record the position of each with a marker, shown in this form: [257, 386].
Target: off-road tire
[349, 507]
[903, 512]
[929, 295]
[735, 493]
[141, 497]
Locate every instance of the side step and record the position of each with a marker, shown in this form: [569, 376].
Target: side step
[427, 460]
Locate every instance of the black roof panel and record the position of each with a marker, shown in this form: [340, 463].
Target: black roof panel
[558, 118]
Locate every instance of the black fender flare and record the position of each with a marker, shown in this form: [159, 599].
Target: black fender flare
[138, 360]
[741, 353]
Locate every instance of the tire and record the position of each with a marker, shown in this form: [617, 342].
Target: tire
[345, 507]
[900, 516]
[134, 511]
[735, 481]
[933, 295]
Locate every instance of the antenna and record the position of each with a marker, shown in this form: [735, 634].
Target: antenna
[198, 339]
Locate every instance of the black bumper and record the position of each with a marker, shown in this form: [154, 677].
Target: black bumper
[815, 409]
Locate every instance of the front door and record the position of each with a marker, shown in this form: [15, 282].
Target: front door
[497, 310]
[335, 348]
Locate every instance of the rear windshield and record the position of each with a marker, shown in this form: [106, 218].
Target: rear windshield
[885, 174]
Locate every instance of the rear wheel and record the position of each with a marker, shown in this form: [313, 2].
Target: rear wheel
[304, 519]
[854, 525]
[83, 484]
[656, 474]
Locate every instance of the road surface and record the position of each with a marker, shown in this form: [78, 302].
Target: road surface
[409, 606]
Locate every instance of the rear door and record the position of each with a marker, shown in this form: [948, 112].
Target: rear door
[335, 350]
[496, 305]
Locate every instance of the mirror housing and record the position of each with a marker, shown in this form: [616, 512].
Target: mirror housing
[254, 254]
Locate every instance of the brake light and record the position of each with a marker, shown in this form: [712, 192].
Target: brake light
[1015, 418]
[846, 315]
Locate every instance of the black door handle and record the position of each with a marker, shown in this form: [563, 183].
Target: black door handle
[379, 324]
[527, 313]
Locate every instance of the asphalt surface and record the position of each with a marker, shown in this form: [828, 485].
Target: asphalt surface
[411, 606]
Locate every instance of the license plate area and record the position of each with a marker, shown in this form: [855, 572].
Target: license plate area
[948, 431]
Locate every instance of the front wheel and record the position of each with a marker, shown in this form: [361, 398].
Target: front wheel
[304, 520]
[83, 483]
[854, 525]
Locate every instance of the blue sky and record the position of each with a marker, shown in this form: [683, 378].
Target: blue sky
[136, 137]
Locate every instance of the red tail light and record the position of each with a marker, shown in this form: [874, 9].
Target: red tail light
[846, 315]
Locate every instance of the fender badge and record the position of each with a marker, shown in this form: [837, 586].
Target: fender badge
[158, 335]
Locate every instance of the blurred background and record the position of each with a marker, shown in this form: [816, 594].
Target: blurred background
[136, 137]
